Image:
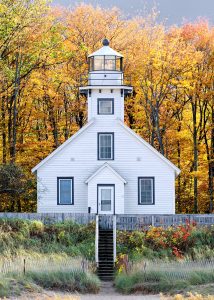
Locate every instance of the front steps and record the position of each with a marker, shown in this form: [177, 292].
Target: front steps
[105, 268]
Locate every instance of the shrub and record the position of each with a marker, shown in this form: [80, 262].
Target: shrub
[63, 237]
[171, 242]
[36, 228]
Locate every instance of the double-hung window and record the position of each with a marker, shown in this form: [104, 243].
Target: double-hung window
[65, 190]
[146, 190]
[106, 146]
[105, 106]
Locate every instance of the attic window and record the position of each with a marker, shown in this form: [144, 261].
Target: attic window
[105, 106]
[65, 190]
[146, 190]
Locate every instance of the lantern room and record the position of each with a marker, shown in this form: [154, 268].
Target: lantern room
[105, 59]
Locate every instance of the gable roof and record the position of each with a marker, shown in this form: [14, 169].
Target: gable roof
[106, 165]
[63, 145]
[169, 163]
[130, 131]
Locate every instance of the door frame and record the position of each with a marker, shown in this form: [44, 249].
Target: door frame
[110, 185]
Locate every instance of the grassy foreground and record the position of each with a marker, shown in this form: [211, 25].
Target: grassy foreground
[69, 281]
[36, 256]
[171, 277]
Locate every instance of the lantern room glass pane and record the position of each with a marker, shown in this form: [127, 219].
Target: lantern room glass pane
[119, 64]
[105, 63]
[98, 63]
[110, 63]
[91, 64]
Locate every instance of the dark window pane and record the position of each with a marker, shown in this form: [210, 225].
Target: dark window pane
[65, 191]
[105, 107]
[146, 191]
[105, 146]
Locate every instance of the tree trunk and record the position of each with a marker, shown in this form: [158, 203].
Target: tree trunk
[3, 125]
[65, 100]
[158, 131]
[13, 104]
[52, 120]
[211, 165]
[195, 155]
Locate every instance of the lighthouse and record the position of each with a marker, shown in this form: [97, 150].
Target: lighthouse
[105, 83]
[105, 171]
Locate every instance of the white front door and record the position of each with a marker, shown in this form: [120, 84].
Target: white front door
[105, 199]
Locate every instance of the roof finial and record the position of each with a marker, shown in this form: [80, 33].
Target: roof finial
[105, 42]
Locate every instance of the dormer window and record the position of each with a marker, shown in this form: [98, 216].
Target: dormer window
[105, 106]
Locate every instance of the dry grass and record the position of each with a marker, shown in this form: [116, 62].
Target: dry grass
[189, 296]
[36, 262]
[47, 297]
[168, 277]
[175, 269]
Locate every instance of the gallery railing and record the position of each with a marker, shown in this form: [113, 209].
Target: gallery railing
[106, 79]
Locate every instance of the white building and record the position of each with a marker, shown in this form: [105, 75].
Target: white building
[106, 168]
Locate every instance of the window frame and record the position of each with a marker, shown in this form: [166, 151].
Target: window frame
[98, 145]
[118, 63]
[98, 106]
[153, 190]
[105, 185]
[58, 190]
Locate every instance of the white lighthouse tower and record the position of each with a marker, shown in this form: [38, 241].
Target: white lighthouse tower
[105, 88]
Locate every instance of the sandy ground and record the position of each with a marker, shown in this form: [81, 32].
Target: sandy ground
[107, 293]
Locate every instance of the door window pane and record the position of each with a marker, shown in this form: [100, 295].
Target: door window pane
[105, 199]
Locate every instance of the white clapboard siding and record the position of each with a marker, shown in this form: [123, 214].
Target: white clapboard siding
[132, 159]
[118, 104]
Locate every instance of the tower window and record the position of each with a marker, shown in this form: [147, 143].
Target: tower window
[105, 106]
[106, 146]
